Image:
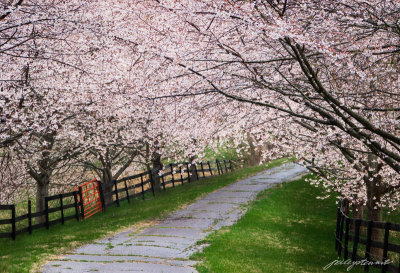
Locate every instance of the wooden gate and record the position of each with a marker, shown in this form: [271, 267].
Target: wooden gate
[90, 199]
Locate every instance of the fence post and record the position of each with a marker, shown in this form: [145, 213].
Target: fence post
[82, 207]
[172, 176]
[100, 188]
[46, 202]
[202, 169]
[356, 239]
[30, 216]
[13, 228]
[216, 162]
[152, 182]
[385, 246]
[62, 208]
[226, 168]
[116, 192]
[209, 167]
[76, 205]
[368, 245]
[141, 183]
[230, 165]
[188, 171]
[126, 190]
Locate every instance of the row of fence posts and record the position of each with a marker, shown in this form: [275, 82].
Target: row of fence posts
[78, 205]
[345, 224]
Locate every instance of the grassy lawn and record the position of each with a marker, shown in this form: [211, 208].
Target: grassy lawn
[286, 230]
[28, 252]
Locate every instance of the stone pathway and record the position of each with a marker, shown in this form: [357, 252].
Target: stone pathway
[167, 245]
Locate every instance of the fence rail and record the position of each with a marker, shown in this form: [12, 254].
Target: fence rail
[68, 206]
[355, 235]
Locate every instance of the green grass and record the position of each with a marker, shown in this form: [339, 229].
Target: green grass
[286, 230]
[28, 252]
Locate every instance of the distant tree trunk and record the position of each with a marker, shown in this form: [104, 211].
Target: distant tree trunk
[42, 178]
[269, 147]
[157, 166]
[109, 170]
[193, 174]
[107, 180]
[42, 170]
[253, 157]
[42, 191]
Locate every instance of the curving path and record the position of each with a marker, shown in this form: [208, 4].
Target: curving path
[166, 245]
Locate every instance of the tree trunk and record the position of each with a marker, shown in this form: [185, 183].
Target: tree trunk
[268, 147]
[374, 213]
[376, 235]
[107, 180]
[42, 176]
[42, 191]
[253, 159]
[193, 173]
[358, 213]
[157, 166]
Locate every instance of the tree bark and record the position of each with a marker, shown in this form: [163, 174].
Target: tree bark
[42, 191]
[358, 213]
[376, 235]
[192, 173]
[107, 180]
[157, 166]
[42, 177]
[253, 158]
[374, 212]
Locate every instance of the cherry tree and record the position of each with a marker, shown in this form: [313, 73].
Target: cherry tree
[163, 79]
[64, 72]
[74, 91]
[325, 71]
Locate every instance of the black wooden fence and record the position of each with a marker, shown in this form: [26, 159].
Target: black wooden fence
[67, 206]
[353, 240]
